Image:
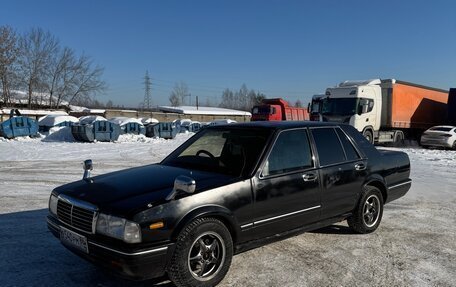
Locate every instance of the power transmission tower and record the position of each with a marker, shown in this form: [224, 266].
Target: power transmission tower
[147, 91]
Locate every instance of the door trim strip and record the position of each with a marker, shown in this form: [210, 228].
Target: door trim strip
[278, 217]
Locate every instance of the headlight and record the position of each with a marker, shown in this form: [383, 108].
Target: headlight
[53, 204]
[119, 228]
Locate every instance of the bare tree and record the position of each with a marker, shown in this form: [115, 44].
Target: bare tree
[178, 94]
[8, 55]
[36, 48]
[86, 79]
[228, 100]
[298, 104]
[60, 73]
[241, 100]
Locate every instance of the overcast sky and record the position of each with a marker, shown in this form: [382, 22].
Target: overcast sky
[288, 49]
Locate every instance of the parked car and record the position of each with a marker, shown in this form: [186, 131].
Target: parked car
[225, 190]
[439, 136]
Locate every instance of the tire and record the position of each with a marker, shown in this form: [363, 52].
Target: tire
[203, 254]
[368, 214]
[398, 140]
[454, 146]
[369, 136]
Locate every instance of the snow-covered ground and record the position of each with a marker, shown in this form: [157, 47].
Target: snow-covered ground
[414, 246]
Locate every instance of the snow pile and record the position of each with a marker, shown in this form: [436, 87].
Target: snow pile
[52, 120]
[124, 120]
[90, 119]
[22, 139]
[135, 138]
[132, 138]
[59, 134]
[147, 121]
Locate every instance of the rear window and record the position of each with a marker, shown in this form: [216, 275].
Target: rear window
[440, 129]
[350, 150]
[328, 146]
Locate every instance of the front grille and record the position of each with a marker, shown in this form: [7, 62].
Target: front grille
[75, 216]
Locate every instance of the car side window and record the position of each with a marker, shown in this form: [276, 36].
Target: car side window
[291, 152]
[350, 150]
[328, 146]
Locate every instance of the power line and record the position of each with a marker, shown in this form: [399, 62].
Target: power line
[147, 91]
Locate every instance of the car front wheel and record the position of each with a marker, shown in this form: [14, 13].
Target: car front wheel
[203, 254]
[368, 214]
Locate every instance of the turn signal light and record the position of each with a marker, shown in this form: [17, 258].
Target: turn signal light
[156, 225]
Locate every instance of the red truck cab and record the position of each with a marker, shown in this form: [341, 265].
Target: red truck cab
[278, 110]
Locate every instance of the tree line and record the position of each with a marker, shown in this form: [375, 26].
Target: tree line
[49, 73]
[243, 99]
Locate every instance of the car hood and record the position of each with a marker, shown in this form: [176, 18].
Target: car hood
[129, 191]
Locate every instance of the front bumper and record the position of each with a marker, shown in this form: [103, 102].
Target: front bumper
[139, 264]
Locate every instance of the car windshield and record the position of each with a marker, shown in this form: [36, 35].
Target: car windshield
[340, 107]
[233, 151]
[441, 129]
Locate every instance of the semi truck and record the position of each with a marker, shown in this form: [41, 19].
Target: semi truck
[385, 111]
[451, 114]
[278, 110]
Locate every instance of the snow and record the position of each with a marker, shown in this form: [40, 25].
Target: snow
[86, 110]
[33, 112]
[124, 120]
[222, 122]
[191, 110]
[58, 134]
[146, 121]
[90, 119]
[414, 245]
[55, 119]
[21, 97]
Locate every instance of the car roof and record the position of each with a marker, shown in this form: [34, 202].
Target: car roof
[449, 127]
[281, 124]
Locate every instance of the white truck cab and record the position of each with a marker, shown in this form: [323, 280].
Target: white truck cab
[358, 103]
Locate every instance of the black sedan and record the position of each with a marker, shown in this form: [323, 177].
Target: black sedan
[227, 189]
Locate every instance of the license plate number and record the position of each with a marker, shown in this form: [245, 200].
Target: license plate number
[72, 239]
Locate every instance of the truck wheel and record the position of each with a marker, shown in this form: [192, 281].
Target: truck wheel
[203, 254]
[369, 136]
[368, 214]
[398, 140]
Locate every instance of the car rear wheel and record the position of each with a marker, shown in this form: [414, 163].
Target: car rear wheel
[368, 214]
[454, 145]
[203, 254]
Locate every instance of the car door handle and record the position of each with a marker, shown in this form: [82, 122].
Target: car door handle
[309, 177]
[360, 166]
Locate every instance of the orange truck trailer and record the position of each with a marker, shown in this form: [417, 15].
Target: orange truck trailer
[278, 110]
[385, 111]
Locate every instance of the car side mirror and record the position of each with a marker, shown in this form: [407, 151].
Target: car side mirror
[182, 184]
[87, 166]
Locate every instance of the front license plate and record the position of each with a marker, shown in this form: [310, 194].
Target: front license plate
[72, 239]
